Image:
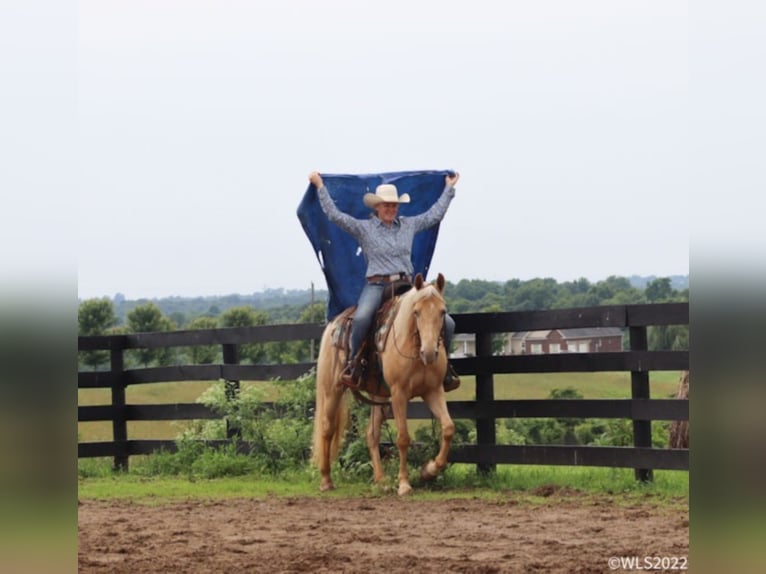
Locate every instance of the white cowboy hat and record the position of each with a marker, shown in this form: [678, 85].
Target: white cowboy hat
[385, 193]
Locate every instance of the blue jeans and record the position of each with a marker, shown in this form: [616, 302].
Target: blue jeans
[368, 304]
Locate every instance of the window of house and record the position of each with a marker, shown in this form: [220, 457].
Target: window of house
[555, 348]
[536, 349]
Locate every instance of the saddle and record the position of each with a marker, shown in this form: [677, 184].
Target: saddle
[370, 374]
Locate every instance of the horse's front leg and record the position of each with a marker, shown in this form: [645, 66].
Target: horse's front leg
[438, 405]
[373, 440]
[399, 406]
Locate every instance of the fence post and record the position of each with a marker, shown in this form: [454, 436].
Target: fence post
[231, 357]
[119, 421]
[485, 395]
[639, 387]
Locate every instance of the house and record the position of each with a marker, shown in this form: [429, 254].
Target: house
[585, 340]
[550, 341]
[464, 345]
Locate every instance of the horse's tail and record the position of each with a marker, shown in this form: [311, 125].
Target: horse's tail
[327, 395]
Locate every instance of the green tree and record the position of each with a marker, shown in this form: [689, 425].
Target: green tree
[567, 424]
[659, 290]
[95, 317]
[178, 317]
[247, 316]
[203, 354]
[535, 294]
[577, 287]
[476, 289]
[459, 305]
[308, 350]
[148, 318]
[668, 337]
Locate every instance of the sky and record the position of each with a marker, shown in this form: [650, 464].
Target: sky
[197, 123]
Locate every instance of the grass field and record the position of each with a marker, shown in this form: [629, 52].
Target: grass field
[668, 487]
[527, 386]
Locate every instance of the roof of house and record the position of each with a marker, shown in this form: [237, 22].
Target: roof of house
[591, 332]
[532, 335]
[543, 334]
[569, 333]
[464, 337]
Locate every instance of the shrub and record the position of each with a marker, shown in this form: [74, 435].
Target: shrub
[224, 461]
[354, 456]
[277, 438]
[94, 467]
[176, 463]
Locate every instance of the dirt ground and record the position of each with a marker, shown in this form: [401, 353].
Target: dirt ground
[566, 532]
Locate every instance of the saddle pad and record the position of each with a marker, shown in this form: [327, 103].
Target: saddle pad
[342, 330]
[385, 319]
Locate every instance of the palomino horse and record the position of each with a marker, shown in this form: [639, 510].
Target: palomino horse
[414, 363]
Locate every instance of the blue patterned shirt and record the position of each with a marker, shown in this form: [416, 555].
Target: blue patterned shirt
[388, 250]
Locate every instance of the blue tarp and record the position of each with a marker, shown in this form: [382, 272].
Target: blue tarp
[339, 254]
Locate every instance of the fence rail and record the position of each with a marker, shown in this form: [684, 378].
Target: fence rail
[638, 360]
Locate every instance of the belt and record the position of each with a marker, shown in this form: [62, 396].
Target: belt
[388, 278]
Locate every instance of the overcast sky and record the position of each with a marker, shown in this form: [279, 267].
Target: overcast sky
[198, 123]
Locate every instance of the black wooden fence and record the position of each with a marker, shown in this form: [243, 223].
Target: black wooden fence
[638, 360]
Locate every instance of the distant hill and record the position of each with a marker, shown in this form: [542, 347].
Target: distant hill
[216, 304]
[283, 305]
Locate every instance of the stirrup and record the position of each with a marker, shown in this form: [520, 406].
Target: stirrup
[451, 380]
[350, 376]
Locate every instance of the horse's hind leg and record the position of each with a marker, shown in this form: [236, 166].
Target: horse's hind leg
[373, 440]
[329, 428]
[438, 406]
[330, 411]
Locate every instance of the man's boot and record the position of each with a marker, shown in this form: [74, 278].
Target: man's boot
[350, 374]
[451, 380]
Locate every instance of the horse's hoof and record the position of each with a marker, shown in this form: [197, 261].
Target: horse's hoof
[404, 489]
[429, 471]
[325, 486]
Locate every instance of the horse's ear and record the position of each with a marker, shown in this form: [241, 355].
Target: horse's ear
[440, 282]
[418, 281]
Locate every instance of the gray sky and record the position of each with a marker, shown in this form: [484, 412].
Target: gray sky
[198, 122]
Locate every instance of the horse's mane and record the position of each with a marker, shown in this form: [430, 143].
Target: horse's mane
[414, 295]
[408, 300]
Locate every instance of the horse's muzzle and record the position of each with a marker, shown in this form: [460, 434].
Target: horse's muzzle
[428, 357]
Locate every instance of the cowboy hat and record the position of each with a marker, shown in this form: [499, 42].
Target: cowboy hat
[385, 193]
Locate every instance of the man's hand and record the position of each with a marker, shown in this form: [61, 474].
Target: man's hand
[316, 179]
[451, 180]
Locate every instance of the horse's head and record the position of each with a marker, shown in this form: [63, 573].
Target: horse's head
[428, 310]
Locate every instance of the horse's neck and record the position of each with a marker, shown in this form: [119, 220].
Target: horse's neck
[403, 320]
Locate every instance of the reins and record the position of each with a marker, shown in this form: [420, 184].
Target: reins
[362, 399]
[416, 335]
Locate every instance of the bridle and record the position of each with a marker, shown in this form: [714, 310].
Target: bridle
[416, 336]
